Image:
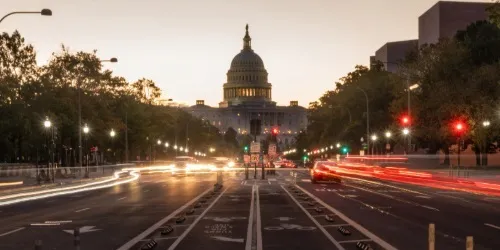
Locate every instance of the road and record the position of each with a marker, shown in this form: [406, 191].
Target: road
[277, 213]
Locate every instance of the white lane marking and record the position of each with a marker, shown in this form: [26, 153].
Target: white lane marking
[259, 222]
[423, 196]
[352, 241]
[431, 208]
[147, 190]
[58, 221]
[336, 225]
[11, 232]
[45, 224]
[363, 230]
[121, 198]
[328, 235]
[81, 210]
[248, 245]
[185, 233]
[486, 224]
[268, 181]
[272, 179]
[158, 224]
[306, 180]
[222, 238]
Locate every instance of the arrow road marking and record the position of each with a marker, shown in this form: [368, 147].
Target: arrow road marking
[84, 229]
[222, 238]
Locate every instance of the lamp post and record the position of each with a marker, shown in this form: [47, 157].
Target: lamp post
[86, 131]
[484, 154]
[48, 125]
[112, 134]
[406, 133]
[388, 135]
[43, 12]
[367, 119]
[374, 139]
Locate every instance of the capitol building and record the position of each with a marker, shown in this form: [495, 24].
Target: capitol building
[248, 95]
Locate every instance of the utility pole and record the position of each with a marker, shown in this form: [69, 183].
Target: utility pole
[79, 127]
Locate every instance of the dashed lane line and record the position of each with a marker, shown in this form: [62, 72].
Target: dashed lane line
[81, 210]
[11, 232]
[486, 224]
[158, 224]
[361, 229]
[121, 198]
[354, 241]
[248, 245]
[259, 222]
[328, 235]
[186, 232]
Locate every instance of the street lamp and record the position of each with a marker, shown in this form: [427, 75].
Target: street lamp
[388, 134]
[166, 144]
[486, 124]
[338, 145]
[367, 118]
[50, 159]
[47, 123]
[111, 60]
[406, 131]
[86, 132]
[159, 142]
[43, 12]
[112, 133]
[374, 139]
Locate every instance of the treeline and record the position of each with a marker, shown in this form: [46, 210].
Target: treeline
[31, 94]
[455, 80]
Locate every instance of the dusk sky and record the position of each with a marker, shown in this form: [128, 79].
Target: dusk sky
[186, 46]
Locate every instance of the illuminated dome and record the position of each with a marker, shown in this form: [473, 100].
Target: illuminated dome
[247, 77]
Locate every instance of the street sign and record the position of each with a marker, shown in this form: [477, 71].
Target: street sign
[388, 146]
[255, 147]
[254, 158]
[272, 149]
[246, 158]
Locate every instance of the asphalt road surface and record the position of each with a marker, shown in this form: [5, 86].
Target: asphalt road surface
[281, 212]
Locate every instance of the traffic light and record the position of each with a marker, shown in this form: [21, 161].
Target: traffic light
[245, 149]
[459, 128]
[405, 120]
[275, 131]
[345, 150]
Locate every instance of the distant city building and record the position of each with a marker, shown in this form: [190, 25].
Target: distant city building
[171, 103]
[444, 19]
[248, 95]
[392, 53]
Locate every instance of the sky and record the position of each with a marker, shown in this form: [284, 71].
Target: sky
[186, 46]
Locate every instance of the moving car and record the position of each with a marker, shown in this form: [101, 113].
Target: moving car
[181, 165]
[325, 171]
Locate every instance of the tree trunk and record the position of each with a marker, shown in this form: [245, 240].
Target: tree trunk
[484, 155]
[446, 151]
[477, 152]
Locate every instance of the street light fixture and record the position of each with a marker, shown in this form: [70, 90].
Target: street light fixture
[388, 134]
[486, 123]
[374, 137]
[111, 60]
[43, 12]
[166, 144]
[47, 123]
[338, 145]
[159, 142]
[112, 133]
[406, 131]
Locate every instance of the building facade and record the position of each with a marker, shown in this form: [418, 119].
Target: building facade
[392, 53]
[247, 95]
[444, 19]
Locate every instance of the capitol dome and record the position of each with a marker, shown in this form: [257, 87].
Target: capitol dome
[247, 77]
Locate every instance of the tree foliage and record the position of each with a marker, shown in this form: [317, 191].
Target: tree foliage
[29, 94]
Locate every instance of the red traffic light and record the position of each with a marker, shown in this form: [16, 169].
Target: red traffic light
[459, 127]
[275, 131]
[405, 120]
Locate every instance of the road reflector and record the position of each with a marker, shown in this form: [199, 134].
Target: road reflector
[363, 246]
[166, 230]
[150, 245]
[318, 210]
[344, 231]
[190, 211]
[180, 219]
[329, 217]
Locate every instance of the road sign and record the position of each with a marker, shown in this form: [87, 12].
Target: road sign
[246, 158]
[272, 149]
[255, 147]
[254, 158]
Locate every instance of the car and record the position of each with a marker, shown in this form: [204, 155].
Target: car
[182, 164]
[325, 171]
